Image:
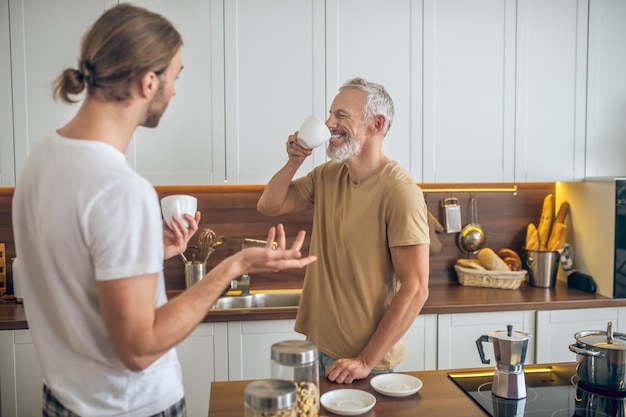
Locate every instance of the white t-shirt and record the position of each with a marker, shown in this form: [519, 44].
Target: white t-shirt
[81, 214]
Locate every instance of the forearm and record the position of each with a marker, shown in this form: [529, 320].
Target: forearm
[276, 192]
[402, 312]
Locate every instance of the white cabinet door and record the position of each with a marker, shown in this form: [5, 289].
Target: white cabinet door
[606, 124]
[188, 145]
[21, 382]
[421, 345]
[7, 163]
[204, 358]
[383, 45]
[556, 329]
[41, 48]
[457, 335]
[274, 79]
[469, 69]
[550, 93]
[250, 343]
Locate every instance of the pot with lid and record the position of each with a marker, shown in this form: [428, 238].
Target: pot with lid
[601, 358]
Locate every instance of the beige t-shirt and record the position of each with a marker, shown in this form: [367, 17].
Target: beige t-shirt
[347, 291]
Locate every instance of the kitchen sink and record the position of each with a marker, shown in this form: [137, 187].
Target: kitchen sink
[260, 300]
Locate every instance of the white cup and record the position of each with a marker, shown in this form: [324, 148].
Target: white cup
[313, 133]
[177, 205]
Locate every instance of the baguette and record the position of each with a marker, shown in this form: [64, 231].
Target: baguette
[557, 237]
[562, 214]
[511, 258]
[545, 222]
[532, 238]
[491, 261]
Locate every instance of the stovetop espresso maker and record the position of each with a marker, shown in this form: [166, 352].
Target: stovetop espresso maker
[510, 352]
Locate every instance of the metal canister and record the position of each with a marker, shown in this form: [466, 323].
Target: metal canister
[451, 214]
[270, 398]
[298, 361]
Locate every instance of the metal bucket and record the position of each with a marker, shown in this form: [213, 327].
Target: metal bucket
[542, 267]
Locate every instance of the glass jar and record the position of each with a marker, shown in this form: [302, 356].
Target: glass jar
[297, 361]
[270, 398]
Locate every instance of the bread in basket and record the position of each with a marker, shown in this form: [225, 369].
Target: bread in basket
[472, 277]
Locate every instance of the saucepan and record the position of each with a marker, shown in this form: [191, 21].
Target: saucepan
[601, 358]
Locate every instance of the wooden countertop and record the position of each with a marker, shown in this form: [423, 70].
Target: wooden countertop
[443, 299]
[439, 396]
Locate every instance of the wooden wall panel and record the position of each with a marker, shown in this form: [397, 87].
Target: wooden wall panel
[231, 212]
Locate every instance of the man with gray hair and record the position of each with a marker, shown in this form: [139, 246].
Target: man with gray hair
[370, 235]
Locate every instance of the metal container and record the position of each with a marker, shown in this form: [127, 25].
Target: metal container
[270, 398]
[542, 267]
[194, 272]
[601, 358]
[298, 361]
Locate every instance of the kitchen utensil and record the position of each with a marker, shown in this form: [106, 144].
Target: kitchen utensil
[510, 352]
[396, 385]
[348, 402]
[601, 358]
[472, 238]
[542, 267]
[205, 244]
[575, 279]
[451, 214]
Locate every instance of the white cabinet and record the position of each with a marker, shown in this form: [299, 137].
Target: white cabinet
[274, 55]
[383, 45]
[188, 145]
[41, 48]
[504, 90]
[556, 330]
[21, 382]
[7, 169]
[457, 335]
[421, 345]
[606, 124]
[550, 90]
[469, 68]
[203, 356]
[250, 343]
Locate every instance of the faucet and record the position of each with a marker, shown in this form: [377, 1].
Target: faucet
[243, 283]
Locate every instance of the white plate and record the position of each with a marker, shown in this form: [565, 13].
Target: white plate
[348, 402]
[396, 385]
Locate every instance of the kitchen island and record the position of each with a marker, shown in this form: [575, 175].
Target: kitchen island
[438, 397]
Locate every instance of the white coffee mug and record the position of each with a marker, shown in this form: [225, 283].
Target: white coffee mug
[313, 133]
[177, 205]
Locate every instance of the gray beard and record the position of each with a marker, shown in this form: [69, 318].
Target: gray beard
[347, 150]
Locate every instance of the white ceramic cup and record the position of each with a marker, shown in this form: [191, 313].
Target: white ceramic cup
[177, 205]
[313, 133]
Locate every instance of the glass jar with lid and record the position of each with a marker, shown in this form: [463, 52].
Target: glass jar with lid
[297, 361]
[270, 398]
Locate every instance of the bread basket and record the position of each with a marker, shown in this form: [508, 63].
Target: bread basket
[471, 277]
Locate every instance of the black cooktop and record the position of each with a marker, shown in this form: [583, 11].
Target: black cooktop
[552, 390]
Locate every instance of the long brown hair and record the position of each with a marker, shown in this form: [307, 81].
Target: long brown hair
[120, 47]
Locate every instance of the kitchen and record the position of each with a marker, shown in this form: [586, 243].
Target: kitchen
[495, 137]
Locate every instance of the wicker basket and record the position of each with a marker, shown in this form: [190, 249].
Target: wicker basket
[491, 279]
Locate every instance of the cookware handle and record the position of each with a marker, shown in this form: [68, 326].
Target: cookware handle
[481, 352]
[585, 352]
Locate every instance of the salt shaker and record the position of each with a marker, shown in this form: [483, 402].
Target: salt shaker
[298, 361]
[270, 398]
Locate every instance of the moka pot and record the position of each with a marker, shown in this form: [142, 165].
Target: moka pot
[510, 352]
